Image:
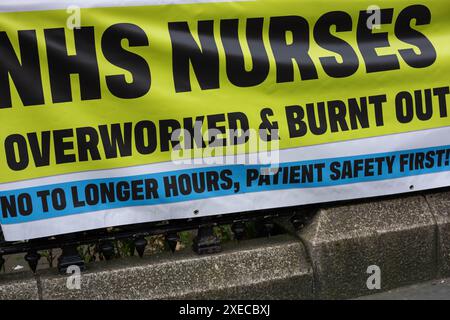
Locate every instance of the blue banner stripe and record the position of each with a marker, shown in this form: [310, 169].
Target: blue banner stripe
[30, 204]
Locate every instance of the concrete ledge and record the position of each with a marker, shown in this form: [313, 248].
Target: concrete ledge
[440, 207]
[18, 286]
[274, 268]
[397, 235]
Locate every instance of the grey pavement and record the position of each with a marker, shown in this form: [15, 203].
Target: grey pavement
[431, 290]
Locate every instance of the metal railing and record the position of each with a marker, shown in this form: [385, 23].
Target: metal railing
[205, 242]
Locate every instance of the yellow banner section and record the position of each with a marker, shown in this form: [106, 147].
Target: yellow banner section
[100, 88]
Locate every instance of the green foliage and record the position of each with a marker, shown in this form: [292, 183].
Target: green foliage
[125, 248]
[224, 233]
[50, 256]
[89, 253]
[186, 238]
